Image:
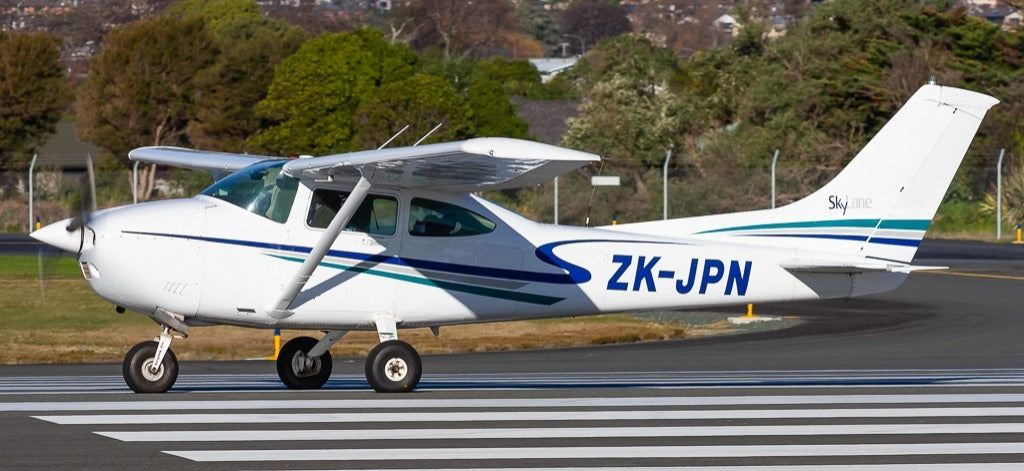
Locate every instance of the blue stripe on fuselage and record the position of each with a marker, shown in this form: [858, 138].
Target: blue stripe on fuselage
[518, 275]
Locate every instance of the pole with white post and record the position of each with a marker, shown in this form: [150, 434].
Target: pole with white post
[664, 196]
[556, 201]
[31, 195]
[775, 158]
[999, 195]
[135, 183]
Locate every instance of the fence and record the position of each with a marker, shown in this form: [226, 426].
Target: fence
[56, 194]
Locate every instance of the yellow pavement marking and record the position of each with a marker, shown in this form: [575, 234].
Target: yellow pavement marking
[972, 275]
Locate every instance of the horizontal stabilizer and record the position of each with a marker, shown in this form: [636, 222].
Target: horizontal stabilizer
[851, 267]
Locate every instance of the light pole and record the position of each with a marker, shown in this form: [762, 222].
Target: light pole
[31, 196]
[135, 183]
[999, 195]
[664, 193]
[583, 44]
[556, 201]
[775, 158]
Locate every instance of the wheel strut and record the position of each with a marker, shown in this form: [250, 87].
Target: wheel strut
[163, 344]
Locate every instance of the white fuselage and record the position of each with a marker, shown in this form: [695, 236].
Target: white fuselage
[214, 262]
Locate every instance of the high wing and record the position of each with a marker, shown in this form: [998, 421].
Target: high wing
[488, 163]
[218, 164]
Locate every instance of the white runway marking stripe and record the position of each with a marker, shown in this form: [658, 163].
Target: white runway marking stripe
[508, 403]
[140, 419]
[629, 452]
[845, 379]
[800, 467]
[569, 432]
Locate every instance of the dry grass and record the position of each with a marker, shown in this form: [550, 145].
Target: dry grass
[60, 320]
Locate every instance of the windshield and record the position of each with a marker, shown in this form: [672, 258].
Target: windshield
[260, 189]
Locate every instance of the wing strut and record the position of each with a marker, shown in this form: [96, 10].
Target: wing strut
[279, 310]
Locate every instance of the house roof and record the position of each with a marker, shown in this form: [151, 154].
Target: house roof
[64, 150]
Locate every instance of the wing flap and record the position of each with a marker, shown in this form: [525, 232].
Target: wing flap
[472, 165]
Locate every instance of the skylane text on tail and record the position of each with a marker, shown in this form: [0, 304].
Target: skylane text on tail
[395, 238]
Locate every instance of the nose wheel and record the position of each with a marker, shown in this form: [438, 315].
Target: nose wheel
[147, 371]
[393, 366]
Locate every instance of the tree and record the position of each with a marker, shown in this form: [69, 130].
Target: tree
[590, 21]
[420, 101]
[536, 22]
[516, 77]
[216, 13]
[630, 115]
[460, 27]
[140, 87]
[250, 45]
[314, 94]
[33, 93]
[493, 114]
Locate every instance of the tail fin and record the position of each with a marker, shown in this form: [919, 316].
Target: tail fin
[882, 203]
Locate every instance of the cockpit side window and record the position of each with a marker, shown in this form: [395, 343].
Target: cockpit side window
[260, 189]
[377, 215]
[431, 218]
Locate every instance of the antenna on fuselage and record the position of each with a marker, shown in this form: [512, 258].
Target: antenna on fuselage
[399, 133]
[425, 136]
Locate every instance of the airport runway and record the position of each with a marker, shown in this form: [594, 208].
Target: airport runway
[930, 376]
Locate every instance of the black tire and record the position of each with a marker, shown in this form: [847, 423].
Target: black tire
[401, 359]
[137, 376]
[293, 377]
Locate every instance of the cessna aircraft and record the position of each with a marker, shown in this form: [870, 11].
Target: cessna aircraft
[394, 238]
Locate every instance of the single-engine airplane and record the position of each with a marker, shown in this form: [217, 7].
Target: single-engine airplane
[394, 238]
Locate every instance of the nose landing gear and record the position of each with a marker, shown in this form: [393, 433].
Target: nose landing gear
[151, 367]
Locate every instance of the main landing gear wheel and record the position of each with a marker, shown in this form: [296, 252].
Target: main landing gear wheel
[297, 370]
[142, 375]
[393, 366]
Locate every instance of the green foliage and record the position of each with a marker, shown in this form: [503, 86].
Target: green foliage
[140, 86]
[32, 94]
[314, 93]
[420, 101]
[1012, 199]
[492, 112]
[539, 24]
[227, 91]
[216, 13]
[629, 115]
[516, 77]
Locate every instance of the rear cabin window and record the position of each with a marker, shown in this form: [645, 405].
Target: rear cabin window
[377, 215]
[431, 218]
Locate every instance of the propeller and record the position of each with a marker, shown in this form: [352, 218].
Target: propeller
[84, 202]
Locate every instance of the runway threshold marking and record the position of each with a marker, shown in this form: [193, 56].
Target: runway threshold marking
[609, 452]
[455, 416]
[178, 405]
[568, 432]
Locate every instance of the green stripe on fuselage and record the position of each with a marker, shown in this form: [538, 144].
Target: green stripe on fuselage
[448, 285]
